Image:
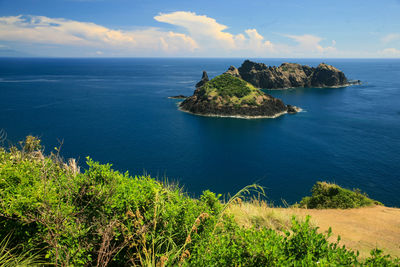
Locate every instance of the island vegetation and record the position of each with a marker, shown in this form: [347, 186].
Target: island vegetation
[230, 96]
[236, 93]
[53, 213]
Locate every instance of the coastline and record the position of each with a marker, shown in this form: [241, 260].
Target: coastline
[322, 87]
[235, 116]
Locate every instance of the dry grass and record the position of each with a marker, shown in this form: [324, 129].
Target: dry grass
[360, 229]
[258, 213]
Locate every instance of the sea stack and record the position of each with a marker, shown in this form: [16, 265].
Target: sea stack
[203, 80]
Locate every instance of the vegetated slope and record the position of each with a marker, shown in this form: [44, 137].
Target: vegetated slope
[227, 95]
[361, 229]
[362, 223]
[332, 196]
[103, 217]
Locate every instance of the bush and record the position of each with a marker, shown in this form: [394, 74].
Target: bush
[302, 245]
[105, 218]
[227, 85]
[95, 216]
[331, 196]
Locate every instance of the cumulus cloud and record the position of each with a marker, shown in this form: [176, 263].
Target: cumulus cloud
[45, 30]
[198, 26]
[311, 43]
[209, 33]
[194, 35]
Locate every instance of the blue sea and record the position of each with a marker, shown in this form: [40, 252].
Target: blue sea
[117, 111]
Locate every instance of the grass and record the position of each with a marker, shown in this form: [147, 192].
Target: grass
[236, 90]
[257, 213]
[11, 257]
[99, 216]
[360, 229]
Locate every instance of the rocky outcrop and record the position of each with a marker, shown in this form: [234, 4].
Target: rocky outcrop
[327, 76]
[230, 96]
[292, 109]
[289, 75]
[233, 71]
[203, 80]
[178, 97]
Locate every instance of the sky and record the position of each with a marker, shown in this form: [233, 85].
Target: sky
[218, 28]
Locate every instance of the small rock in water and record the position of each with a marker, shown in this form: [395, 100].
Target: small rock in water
[292, 109]
[178, 97]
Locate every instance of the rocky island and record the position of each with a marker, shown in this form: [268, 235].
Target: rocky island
[236, 93]
[230, 96]
[289, 75]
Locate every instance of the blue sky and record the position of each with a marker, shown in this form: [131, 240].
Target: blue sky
[219, 28]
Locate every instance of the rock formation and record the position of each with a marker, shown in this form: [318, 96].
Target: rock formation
[203, 80]
[289, 75]
[178, 97]
[230, 96]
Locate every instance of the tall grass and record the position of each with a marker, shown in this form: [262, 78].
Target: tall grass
[12, 257]
[101, 217]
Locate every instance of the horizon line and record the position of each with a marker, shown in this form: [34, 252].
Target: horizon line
[185, 57]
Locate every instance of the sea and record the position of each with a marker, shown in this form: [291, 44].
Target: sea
[117, 110]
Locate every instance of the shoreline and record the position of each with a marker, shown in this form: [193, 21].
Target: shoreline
[323, 87]
[236, 116]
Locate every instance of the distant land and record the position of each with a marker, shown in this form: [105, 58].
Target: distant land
[230, 96]
[236, 93]
[290, 75]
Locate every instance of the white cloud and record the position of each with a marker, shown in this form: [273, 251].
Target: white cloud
[208, 33]
[390, 37]
[45, 30]
[198, 26]
[196, 35]
[311, 43]
[389, 52]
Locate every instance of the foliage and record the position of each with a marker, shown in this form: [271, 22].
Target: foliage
[96, 216]
[227, 85]
[303, 246]
[105, 218]
[330, 196]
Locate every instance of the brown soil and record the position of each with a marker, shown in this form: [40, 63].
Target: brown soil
[361, 229]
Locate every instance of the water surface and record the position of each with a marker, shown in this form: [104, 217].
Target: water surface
[117, 111]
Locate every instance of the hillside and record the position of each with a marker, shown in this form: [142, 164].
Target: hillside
[361, 229]
[53, 212]
[290, 75]
[230, 96]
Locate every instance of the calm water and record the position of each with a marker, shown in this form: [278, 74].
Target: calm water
[117, 110]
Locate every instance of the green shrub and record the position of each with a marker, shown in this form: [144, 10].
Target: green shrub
[232, 245]
[102, 217]
[227, 85]
[331, 196]
[95, 216]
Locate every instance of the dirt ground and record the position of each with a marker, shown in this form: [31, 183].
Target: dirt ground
[362, 229]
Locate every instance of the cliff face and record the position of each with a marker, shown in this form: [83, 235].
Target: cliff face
[227, 95]
[289, 75]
